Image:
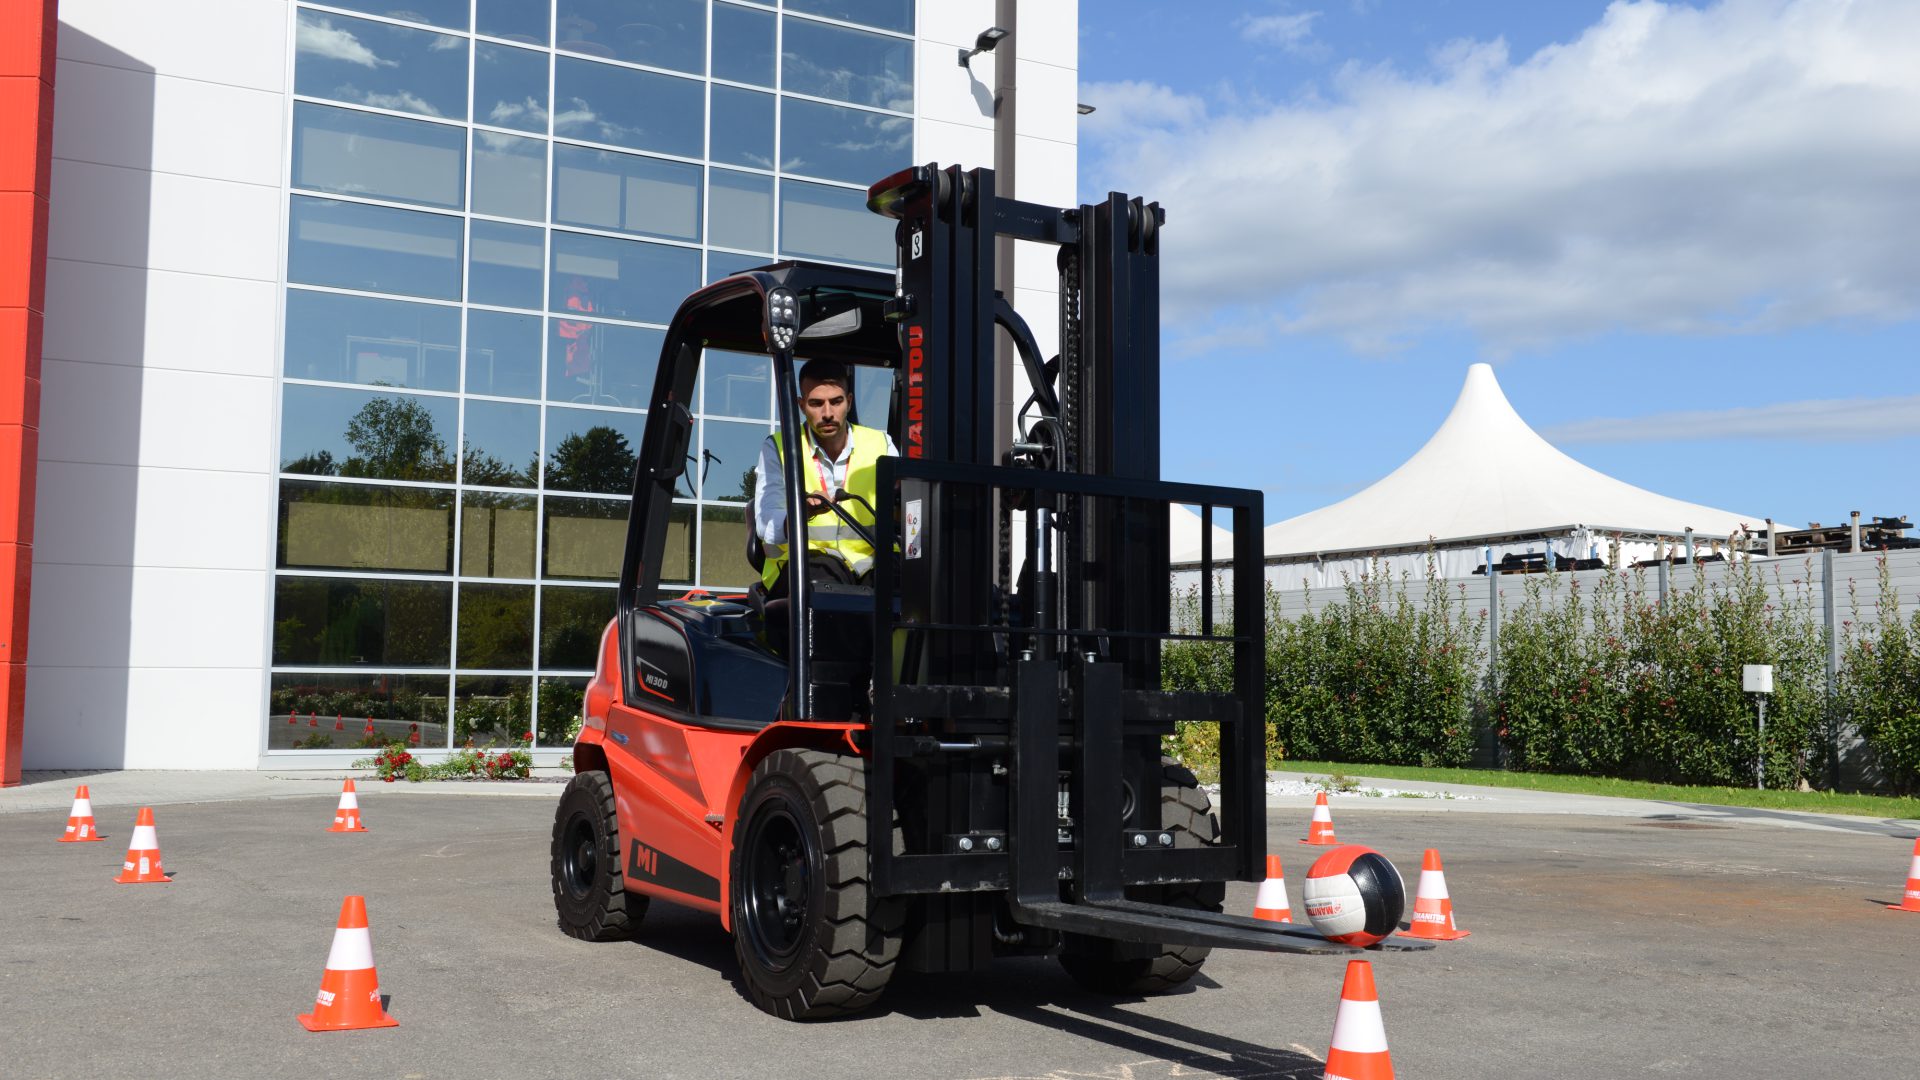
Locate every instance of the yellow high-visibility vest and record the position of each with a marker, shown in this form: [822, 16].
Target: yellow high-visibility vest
[828, 532]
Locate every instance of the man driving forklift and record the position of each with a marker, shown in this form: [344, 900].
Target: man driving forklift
[840, 458]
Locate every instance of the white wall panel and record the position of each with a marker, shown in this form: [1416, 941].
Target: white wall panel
[117, 515]
[1048, 105]
[112, 414]
[138, 120]
[131, 218]
[952, 144]
[237, 42]
[194, 718]
[943, 90]
[1050, 31]
[956, 23]
[198, 618]
[155, 318]
[76, 716]
[1048, 171]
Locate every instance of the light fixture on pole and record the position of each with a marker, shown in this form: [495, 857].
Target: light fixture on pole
[1757, 679]
[1083, 108]
[989, 39]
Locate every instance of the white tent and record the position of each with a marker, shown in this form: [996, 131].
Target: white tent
[1183, 537]
[1485, 485]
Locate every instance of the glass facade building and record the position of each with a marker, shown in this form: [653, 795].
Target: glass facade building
[493, 208]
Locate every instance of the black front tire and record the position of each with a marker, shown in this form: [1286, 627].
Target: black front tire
[588, 890]
[812, 940]
[1105, 966]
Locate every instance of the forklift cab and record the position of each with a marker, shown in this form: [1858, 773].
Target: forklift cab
[714, 656]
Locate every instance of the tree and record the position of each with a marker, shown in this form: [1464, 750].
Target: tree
[394, 438]
[597, 459]
[319, 463]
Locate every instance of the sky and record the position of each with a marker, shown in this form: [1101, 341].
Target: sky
[1686, 235]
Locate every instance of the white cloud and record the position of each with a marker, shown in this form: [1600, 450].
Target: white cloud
[1836, 420]
[398, 101]
[1290, 32]
[318, 35]
[1747, 167]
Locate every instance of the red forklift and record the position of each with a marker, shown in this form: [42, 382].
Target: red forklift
[958, 758]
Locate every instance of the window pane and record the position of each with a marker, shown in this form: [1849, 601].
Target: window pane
[503, 354]
[496, 626]
[561, 700]
[737, 384]
[592, 450]
[740, 209]
[585, 538]
[591, 363]
[743, 44]
[842, 144]
[723, 548]
[571, 622]
[627, 279]
[338, 622]
[509, 176]
[516, 20]
[502, 445]
[728, 458]
[505, 265]
[626, 193]
[722, 264]
[510, 87]
[360, 339]
[451, 14]
[490, 710]
[676, 557]
[378, 64]
[382, 157]
[365, 527]
[496, 534]
[641, 110]
[885, 14]
[847, 65]
[358, 433]
[376, 248]
[742, 127]
[820, 222]
[659, 33]
[873, 396]
[410, 708]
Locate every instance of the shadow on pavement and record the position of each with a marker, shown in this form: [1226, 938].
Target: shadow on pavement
[1901, 828]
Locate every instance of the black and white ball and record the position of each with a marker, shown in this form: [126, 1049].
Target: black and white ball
[1354, 895]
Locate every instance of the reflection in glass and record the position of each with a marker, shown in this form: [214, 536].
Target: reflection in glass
[365, 527]
[572, 618]
[729, 453]
[847, 65]
[383, 157]
[502, 445]
[561, 700]
[821, 222]
[343, 622]
[503, 354]
[311, 711]
[496, 534]
[451, 14]
[838, 143]
[338, 338]
[737, 384]
[524, 21]
[490, 711]
[505, 265]
[640, 110]
[326, 431]
[496, 626]
[377, 248]
[510, 87]
[722, 264]
[723, 548]
[743, 44]
[625, 279]
[740, 209]
[742, 128]
[676, 558]
[590, 363]
[659, 33]
[885, 14]
[592, 450]
[509, 175]
[602, 189]
[585, 538]
[872, 396]
[382, 65]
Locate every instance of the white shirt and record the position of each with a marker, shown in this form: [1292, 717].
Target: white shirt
[770, 484]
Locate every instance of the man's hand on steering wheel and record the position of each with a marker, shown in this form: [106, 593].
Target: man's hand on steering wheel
[818, 504]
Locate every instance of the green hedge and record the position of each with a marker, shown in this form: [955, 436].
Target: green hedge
[1879, 686]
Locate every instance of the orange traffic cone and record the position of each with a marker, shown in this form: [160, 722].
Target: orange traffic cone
[1320, 829]
[1432, 908]
[80, 826]
[1270, 903]
[1359, 1050]
[369, 729]
[142, 866]
[347, 817]
[293, 717]
[1911, 902]
[313, 718]
[349, 997]
[339, 722]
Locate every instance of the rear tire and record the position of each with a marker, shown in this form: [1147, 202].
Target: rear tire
[811, 939]
[588, 890]
[1103, 965]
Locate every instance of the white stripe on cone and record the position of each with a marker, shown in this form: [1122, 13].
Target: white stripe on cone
[82, 808]
[1358, 1028]
[144, 838]
[1272, 896]
[1322, 813]
[1914, 870]
[1433, 885]
[352, 949]
[349, 801]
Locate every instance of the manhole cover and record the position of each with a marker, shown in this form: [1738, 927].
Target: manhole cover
[1680, 825]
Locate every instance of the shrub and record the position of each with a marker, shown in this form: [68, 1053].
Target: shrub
[1879, 686]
